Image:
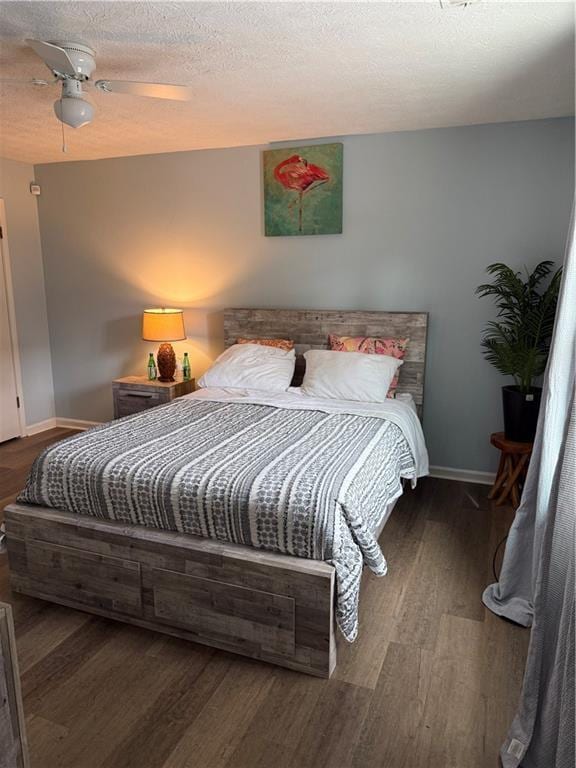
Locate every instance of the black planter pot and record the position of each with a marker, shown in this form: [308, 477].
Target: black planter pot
[520, 413]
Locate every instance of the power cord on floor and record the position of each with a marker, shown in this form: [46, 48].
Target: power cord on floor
[497, 575]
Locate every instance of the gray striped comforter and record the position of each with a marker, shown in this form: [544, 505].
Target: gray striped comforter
[300, 482]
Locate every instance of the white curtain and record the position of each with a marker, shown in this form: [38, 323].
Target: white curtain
[536, 585]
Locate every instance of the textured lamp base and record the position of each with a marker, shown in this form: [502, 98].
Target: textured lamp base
[166, 361]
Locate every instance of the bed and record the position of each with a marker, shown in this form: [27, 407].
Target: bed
[178, 519]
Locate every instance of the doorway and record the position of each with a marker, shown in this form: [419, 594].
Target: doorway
[12, 423]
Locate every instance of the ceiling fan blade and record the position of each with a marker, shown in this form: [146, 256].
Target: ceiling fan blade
[153, 90]
[37, 81]
[53, 56]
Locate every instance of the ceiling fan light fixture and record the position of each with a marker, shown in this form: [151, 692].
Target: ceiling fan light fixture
[71, 108]
[74, 111]
[72, 65]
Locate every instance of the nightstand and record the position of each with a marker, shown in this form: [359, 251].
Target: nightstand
[133, 394]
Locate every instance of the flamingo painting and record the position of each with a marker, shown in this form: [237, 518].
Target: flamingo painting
[297, 173]
[303, 190]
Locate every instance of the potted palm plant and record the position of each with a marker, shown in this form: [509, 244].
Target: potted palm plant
[518, 342]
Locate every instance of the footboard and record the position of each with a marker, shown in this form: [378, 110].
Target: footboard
[263, 605]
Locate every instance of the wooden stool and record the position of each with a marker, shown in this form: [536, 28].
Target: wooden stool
[512, 469]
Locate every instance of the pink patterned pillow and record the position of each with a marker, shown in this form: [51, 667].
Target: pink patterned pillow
[285, 344]
[371, 346]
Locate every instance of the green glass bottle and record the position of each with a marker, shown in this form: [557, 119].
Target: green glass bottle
[186, 367]
[151, 368]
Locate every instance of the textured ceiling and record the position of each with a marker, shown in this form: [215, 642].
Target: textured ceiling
[265, 72]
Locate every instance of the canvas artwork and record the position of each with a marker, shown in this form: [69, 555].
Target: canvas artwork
[303, 190]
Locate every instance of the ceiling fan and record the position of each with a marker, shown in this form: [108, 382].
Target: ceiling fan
[72, 65]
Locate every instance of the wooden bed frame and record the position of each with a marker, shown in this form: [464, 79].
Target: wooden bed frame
[264, 605]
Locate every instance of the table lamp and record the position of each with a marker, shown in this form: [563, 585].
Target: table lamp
[164, 325]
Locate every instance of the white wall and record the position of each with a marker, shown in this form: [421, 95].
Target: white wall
[23, 236]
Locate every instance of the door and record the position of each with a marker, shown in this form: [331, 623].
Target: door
[9, 419]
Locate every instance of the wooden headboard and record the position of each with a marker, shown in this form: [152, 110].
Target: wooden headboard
[309, 329]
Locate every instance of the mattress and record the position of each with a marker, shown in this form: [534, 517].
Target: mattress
[284, 473]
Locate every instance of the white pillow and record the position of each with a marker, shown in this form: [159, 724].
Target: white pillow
[252, 366]
[349, 375]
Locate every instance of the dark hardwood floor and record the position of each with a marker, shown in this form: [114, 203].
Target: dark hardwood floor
[432, 682]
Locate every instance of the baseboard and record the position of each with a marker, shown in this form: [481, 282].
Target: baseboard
[76, 423]
[40, 426]
[464, 475]
[56, 421]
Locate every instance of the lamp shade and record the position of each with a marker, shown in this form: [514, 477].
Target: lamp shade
[163, 325]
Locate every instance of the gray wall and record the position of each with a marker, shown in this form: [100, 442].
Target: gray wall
[424, 213]
[23, 236]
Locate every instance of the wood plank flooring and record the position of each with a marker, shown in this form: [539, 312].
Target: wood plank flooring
[432, 682]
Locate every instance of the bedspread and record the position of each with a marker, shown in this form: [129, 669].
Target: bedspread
[303, 482]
